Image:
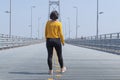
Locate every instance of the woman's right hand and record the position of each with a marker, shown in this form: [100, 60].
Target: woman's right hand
[63, 44]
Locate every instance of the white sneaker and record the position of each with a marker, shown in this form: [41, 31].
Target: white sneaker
[50, 72]
[63, 69]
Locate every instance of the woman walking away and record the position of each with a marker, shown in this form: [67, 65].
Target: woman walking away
[54, 38]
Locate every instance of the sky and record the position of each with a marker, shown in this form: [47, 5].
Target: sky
[109, 21]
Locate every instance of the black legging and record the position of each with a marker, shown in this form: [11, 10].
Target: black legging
[54, 43]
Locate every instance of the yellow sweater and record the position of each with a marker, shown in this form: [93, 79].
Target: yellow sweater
[54, 30]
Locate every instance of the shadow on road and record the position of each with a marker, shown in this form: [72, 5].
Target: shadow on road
[29, 73]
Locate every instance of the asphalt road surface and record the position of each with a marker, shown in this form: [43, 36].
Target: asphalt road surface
[30, 63]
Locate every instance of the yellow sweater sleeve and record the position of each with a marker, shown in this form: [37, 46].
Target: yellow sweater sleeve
[61, 34]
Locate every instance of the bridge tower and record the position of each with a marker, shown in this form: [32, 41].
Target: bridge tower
[54, 5]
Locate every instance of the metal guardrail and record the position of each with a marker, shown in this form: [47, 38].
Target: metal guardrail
[104, 36]
[104, 42]
[16, 41]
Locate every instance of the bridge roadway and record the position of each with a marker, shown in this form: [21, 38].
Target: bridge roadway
[29, 63]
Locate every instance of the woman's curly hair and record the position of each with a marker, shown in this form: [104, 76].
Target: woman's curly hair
[54, 15]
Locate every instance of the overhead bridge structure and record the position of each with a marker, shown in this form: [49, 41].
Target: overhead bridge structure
[54, 5]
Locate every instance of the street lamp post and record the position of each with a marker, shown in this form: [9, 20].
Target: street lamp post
[31, 19]
[97, 22]
[38, 27]
[64, 30]
[76, 19]
[9, 19]
[69, 26]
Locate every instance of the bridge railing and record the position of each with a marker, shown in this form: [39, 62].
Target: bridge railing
[104, 36]
[104, 42]
[16, 41]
